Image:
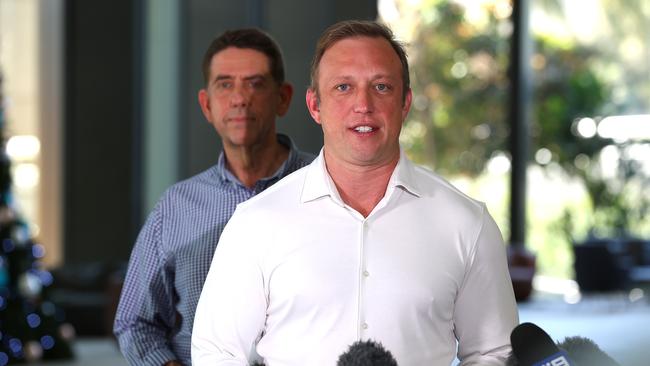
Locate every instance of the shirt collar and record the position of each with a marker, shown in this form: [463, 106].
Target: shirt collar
[318, 182]
[284, 140]
[404, 175]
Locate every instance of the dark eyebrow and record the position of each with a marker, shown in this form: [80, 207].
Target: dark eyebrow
[256, 76]
[247, 78]
[220, 77]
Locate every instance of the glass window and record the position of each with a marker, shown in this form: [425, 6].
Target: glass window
[589, 171]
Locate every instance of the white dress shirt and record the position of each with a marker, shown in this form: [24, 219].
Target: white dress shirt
[298, 276]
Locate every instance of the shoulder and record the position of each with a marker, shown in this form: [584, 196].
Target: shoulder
[303, 158]
[462, 215]
[439, 190]
[207, 177]
[207, 180]
[297, 160]
[297, 157]
[283, 194]
[254, 221]
[192, 194]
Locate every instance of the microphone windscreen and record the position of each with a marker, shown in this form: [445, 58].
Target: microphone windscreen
[584, 351]
[532, 346]
[366, 353]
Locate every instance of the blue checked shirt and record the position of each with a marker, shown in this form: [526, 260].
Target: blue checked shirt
[171, 258]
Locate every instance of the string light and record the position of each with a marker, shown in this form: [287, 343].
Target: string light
[33, 320]
[4, 359]
[47, 342]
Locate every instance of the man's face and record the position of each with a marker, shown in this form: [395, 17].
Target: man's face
[241, 99]
[359, 102]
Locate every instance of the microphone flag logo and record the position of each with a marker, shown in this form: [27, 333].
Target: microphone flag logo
[558, 359]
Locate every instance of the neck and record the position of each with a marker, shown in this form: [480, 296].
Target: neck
[361, 187]
[252, 163]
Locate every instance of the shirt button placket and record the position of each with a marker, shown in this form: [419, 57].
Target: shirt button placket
[363, 325]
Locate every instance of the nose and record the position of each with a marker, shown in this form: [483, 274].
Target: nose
[239, 97]
[363, 101]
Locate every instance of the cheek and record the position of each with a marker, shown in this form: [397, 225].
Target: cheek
[218, 106]
[267, 104]
[335, 111]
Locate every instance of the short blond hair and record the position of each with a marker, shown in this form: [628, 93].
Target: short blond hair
[358, 28]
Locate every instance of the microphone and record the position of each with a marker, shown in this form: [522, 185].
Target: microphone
[585, 352]
[366, 353]
[531, 346]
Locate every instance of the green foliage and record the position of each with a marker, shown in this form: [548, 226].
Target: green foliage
[567, 89]
[459, 115]
[460, 84]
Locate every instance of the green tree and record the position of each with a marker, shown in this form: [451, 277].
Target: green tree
[459, 115]
[458, 119]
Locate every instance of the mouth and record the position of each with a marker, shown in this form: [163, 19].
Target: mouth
[364, 129]
[240, 118]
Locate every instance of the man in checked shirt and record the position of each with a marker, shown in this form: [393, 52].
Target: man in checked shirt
[244, 92]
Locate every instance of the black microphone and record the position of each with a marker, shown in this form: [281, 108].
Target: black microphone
[366, 353]
[531, 346]
[585, 352]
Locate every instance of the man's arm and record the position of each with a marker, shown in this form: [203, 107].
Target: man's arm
[485, 310]
[232, 308]
[145, 314]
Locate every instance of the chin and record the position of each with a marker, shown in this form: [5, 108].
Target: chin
[244, 141]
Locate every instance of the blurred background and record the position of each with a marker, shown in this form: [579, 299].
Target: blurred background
[540, 108]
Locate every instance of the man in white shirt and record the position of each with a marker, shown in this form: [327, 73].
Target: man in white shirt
[361, 244]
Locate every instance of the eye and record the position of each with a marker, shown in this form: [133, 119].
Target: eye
[256, 83]
[224, 84]
[382, 87]
[343, 87]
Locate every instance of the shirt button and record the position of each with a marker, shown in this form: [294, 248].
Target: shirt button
[366, 273]
[364, 325]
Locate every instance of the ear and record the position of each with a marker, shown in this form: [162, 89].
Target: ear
[286, 92]
[407, 104]
[313, 104]
[204, 102]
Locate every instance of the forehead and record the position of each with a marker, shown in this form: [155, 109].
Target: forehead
[239, 61]
[361, 54]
